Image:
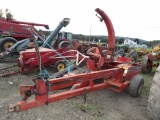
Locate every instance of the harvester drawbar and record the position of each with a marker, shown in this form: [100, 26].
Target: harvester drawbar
[98, 70]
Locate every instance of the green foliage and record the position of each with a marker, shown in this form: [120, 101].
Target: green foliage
[1, 13]
[92, 38]
[152, 43]
[104, 39]
[79, 36]
[147, 82]
[120, 41]
[8, 14]
[148, 78]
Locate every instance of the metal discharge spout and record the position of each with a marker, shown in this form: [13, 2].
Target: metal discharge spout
[62, 24]
[111, 34]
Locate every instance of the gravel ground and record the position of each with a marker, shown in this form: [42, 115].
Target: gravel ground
[101, 105]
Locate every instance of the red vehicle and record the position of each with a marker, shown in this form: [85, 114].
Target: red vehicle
[98, 70]
[12, 31]
[58, 44]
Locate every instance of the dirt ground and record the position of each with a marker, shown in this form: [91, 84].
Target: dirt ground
[101, 105]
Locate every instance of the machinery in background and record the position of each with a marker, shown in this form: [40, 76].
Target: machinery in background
[52, 51]
[45, 43]
[156, 51]
[12, 31]
[148, 60]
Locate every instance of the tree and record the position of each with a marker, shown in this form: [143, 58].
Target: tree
[121, 40]
[1, 13]
[8, 13]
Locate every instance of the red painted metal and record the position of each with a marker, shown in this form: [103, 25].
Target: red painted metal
[114, 78]
[18, 28]
[111, 34]
[24, 105]
[40, 87]
[103, 73]
[11, 73]
[151, 58]
[29, 62]
[123, 59]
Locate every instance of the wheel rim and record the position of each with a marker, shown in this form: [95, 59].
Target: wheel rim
[60, 67]
[8, 44]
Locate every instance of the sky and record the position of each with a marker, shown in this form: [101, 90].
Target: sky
[130, 18]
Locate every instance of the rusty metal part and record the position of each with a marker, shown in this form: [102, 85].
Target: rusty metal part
[8, 67]
[10, 73]
[8, 60]
[147, 63]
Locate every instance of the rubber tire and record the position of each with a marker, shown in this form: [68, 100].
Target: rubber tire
[154, 97]
[135, 84]
[56, 65]
[64, 44]
[4, 40]
[145, 70]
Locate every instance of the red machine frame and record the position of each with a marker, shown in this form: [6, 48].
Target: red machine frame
[17, 29]
[116, 75]
[28, 61]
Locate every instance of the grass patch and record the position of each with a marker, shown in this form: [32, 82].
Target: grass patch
[148, 79]
[88, 107]
[147, 82]
[97, 118]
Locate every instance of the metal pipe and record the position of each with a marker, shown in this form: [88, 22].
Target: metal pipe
[111, 34]
[63, 23]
